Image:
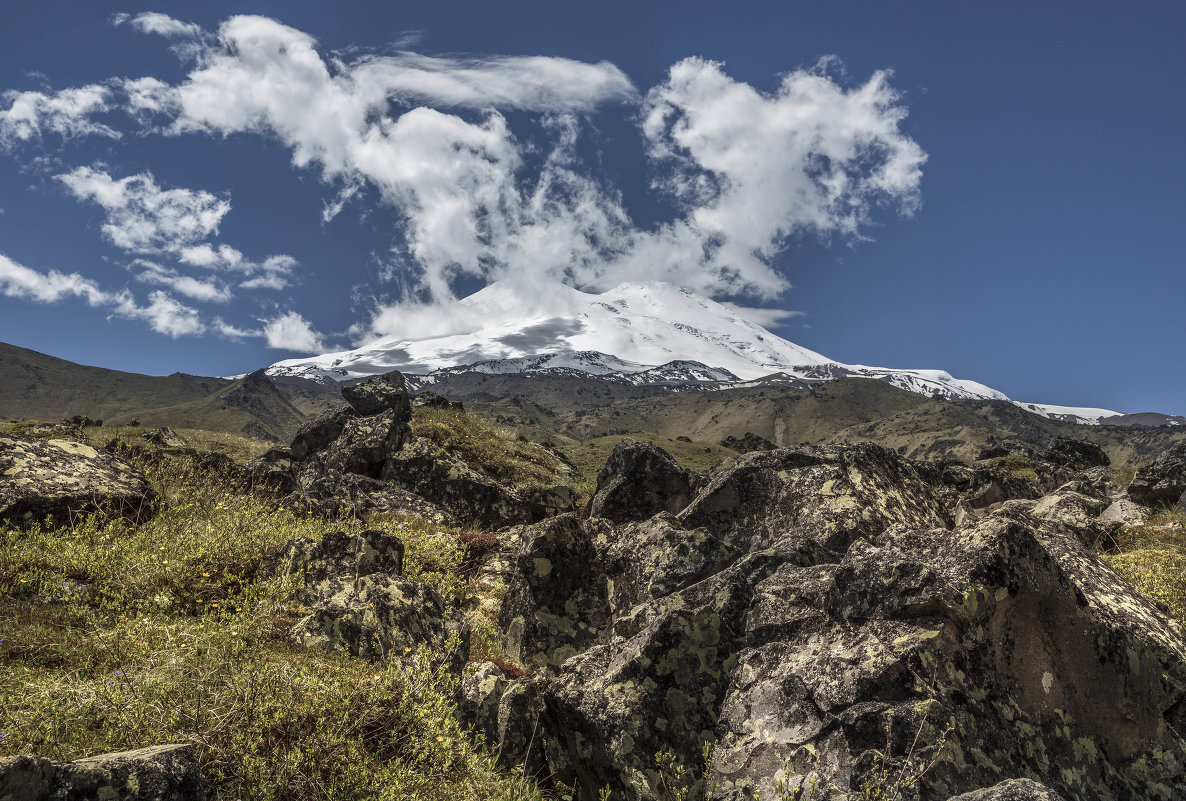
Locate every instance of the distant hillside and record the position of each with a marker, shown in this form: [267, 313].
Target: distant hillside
[38, 387]
[847, 410]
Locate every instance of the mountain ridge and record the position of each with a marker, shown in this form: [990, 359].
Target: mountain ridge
[634, 333]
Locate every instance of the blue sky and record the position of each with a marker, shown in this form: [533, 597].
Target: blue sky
[1012, 211]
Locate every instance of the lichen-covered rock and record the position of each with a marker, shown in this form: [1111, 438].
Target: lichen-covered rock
[557, 603]
[431, 400]
[1079, 511]
[1124, 512]
[365, 444]
[63, 479]
[1012, 790]
[380, 617]
[506, 713]
[748, 443]
[1076, 454]
[550, 501]
[811, 614]
[387, 392]
[639, 480]
[837, 492]
[324, 567]
[316, 435]
[445, 480]
[1163, 482]
[481, 691]
[160, 773]
[331, 493]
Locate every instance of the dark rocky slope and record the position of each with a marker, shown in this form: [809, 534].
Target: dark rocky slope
[818, 616]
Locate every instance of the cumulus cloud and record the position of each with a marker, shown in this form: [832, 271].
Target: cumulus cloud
[291, 331]
[144, 218]
[746, 170]
[19, 281]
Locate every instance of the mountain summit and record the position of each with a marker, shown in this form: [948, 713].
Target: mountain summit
[630, 330]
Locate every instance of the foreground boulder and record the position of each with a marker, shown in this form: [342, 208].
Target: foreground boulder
[639, 480]
[1163, 482]
[1012, 790]
[63, 479]
[816, 616]
[359, 602]
[160, 773]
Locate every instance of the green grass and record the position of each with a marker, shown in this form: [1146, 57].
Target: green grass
[1152, 557]
[1018, 465]
[116, 636]
[489, 449]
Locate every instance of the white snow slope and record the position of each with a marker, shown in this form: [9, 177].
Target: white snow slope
[643, 325]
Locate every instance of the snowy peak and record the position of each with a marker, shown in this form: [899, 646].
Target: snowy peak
[635, 333]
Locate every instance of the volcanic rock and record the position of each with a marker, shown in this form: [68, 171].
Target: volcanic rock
[388, 392]
[811, 614]
[639, 480]
[63, 479]
[1163, 482]
[160, 773]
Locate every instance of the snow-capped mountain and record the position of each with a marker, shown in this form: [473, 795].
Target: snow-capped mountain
[657, 334]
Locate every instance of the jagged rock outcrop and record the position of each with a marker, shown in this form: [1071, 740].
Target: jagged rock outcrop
[819, 614]
[432, 400]
[63, 479]
[381, 617]
[1163, 482]
[388, 392]
[474, 498]
[336, 560]
[639, 480]
[160, 773]
[361, 604]
[1076, 454]
[363, 459]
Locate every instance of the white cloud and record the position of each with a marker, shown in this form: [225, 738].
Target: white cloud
[19, 281]
[207, 289]
[268, 281]
[142, 217]
[160, 24]
[748, 170]
[164, 314]
[67, 113]
[291, 331]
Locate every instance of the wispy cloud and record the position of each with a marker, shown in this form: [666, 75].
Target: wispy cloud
[164, 313]
[68, 114]
[144, 219]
